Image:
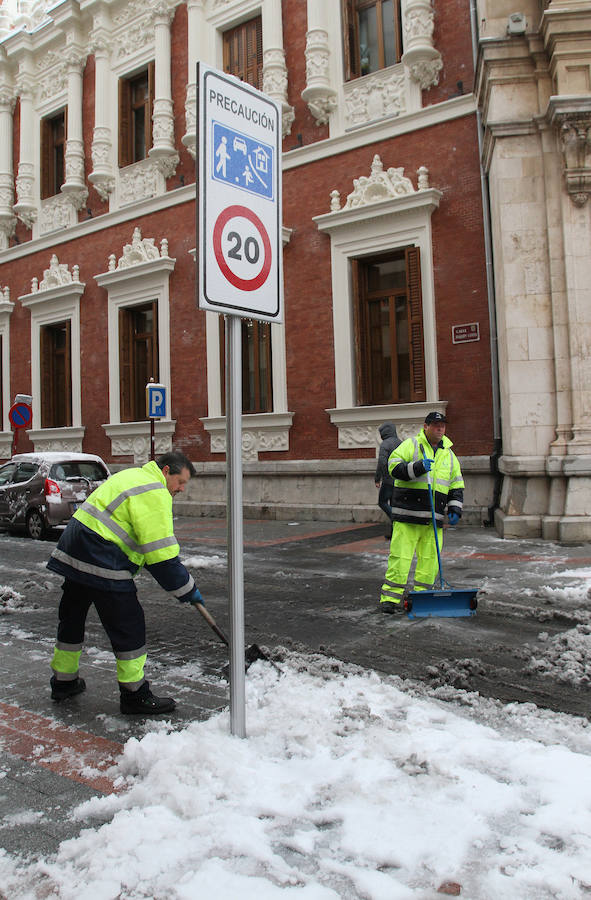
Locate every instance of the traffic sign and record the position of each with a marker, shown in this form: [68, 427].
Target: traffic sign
[20, 415]
[155, 400]
[239, 210]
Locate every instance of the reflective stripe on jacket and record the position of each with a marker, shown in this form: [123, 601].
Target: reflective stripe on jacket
[124, 524]
[410, 500]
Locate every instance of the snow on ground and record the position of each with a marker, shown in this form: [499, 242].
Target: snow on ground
[567, 656]
[205, 562]
[349, 785]
[10, 599]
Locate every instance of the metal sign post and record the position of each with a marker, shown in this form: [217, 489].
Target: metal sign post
[234, 522]
[20, 415]
[155, 409]
[240, 275]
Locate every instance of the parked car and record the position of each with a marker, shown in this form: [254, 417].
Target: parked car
[42, 490]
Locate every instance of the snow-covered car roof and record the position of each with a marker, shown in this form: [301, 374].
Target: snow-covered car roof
[52, 456]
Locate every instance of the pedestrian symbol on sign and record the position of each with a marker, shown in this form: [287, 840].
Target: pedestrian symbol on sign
[242, 162]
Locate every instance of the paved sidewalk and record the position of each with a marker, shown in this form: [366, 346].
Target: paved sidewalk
[310, 586]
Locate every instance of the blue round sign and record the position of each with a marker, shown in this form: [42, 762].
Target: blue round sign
[20, 415]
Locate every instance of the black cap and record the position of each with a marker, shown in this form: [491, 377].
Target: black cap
[434, 417]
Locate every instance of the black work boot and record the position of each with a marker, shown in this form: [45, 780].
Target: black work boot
[143, 702]
[61, 690]
[388, 606]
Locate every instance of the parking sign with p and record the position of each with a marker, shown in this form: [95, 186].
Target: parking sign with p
[155, 400]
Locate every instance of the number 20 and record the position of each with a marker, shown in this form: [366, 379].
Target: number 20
[251, 248]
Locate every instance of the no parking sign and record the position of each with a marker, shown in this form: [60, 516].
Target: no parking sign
[239, 215]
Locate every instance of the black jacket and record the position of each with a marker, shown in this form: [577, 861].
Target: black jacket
[390, 441]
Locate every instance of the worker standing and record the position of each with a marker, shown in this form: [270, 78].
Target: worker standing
[124, 524]
[431, 450]
[383, 479]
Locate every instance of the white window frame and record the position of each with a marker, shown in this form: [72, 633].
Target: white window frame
[365, 231]
[127, 287]
[6, 308]
[58, 304]
[260, 431]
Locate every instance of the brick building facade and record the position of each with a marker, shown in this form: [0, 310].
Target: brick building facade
[388, 307]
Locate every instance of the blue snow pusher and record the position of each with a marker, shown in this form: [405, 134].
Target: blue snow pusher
[445, 601]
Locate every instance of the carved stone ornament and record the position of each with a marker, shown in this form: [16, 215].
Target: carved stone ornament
[140, 181]
[25, 208]
[420, 56]
[190, 138]
[141, 250]
[139, 446]
[61, 211]
[575, 144]
[426, 72]
[275, 84]
[133, 37]
[7, 98]
[254, 441]
[318, 94]
[56, 275]
[378, 186]
[376, 96]
[7, 217]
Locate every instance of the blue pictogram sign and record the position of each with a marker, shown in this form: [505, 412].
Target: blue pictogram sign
[242, 162]
[20, 415]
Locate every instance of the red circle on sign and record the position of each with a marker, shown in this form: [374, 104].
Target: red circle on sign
[20, 415]
[244, 284]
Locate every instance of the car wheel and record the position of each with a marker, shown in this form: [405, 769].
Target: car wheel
[36, 527]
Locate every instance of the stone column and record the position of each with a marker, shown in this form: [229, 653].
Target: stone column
[196, 33]
[318, 93]
[7, 218]
[102, 177]
[274, 68]
[163, 148]
[74, 183]
[25, 207]
[420, 56]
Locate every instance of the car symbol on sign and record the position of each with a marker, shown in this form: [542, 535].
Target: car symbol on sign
[239, 144]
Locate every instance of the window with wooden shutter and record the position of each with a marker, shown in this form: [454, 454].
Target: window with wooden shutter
[372, 34]
[53, 154]
[243, 52]
[56, 375]
[257, 383]
[415, 319]
[389, 328]
[136, 103]
[138, 358]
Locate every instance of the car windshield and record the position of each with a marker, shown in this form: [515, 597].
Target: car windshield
[7, 472]
[89, 469]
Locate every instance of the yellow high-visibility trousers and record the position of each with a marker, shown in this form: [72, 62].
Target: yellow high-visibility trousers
[407, 540]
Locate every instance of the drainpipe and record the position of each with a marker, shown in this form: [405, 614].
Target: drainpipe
[490, 288]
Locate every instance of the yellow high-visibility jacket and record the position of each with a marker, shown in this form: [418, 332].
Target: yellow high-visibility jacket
[124, 524]
[410, 500]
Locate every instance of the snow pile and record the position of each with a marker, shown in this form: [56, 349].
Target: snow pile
[10, 599]
[567, 656]
[346, 788]
[205, 562]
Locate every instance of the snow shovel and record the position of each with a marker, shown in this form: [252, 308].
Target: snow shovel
[251, 654]
[447, 601]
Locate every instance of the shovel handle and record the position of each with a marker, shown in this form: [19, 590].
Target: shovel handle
[433, 520]
[212, 622]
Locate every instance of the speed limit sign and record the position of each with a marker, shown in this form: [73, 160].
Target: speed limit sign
[242, 248]
[239, 210]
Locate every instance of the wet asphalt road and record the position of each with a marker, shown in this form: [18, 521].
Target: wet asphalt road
[313, 587]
